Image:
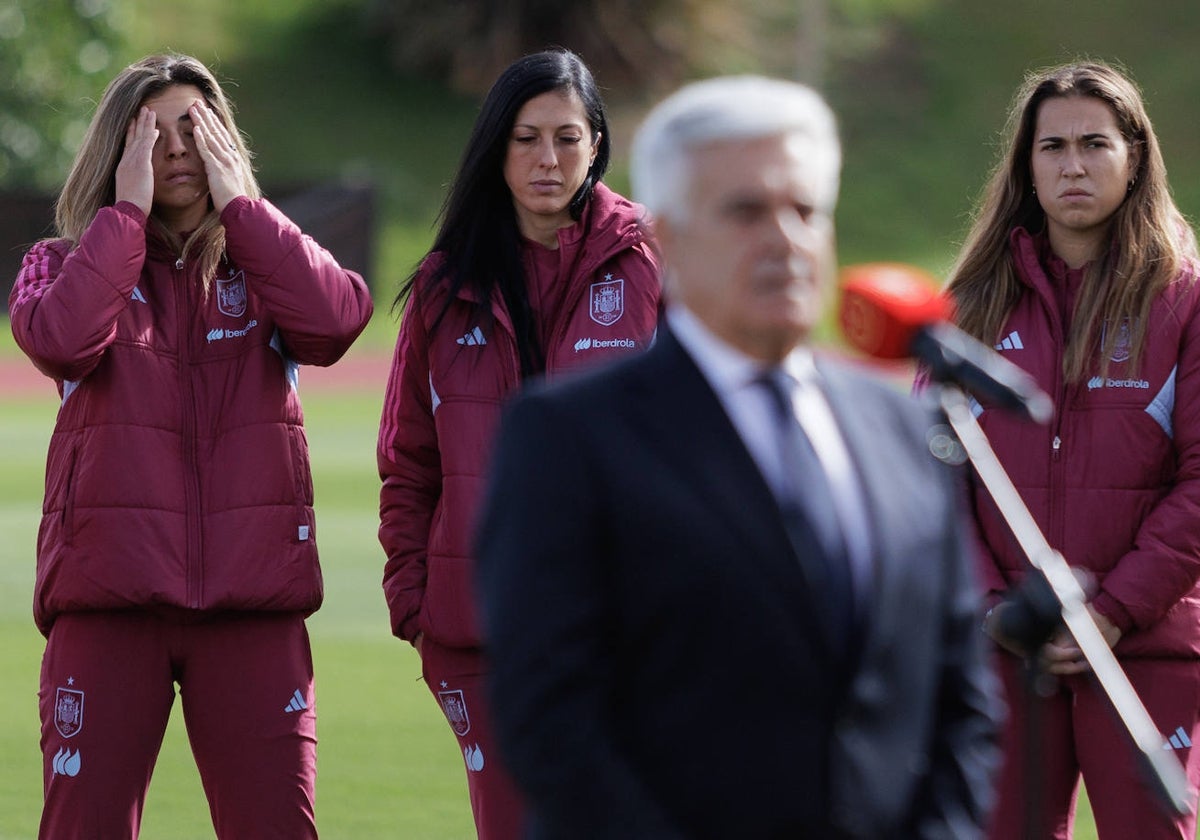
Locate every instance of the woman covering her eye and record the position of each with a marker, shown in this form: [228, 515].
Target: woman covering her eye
[177, 542]
[538, 270]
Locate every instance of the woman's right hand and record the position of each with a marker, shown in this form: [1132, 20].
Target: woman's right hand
[135, 172]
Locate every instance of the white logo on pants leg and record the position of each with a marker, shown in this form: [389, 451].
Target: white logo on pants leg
[65, 763]
[455, 707]
[68, 712]
[1179, 740]
[474, 758]
[296, 704]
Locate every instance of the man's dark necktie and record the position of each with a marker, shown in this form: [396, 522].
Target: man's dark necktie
[808, 509]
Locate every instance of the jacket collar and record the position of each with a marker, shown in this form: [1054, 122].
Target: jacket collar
[610, 224]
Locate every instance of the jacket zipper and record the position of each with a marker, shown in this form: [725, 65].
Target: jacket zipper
[502, 322]
[1056, 523]
[569, 309]
[191, 485]
[1057, 472]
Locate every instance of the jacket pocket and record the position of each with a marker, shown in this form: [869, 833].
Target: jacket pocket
[61, 487]
[302, 483]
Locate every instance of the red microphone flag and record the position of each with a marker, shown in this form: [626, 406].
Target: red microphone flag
[885, 304]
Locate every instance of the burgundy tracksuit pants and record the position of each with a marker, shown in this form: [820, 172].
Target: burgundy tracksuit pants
[246, 684]
[457, 679]
[1049, 741]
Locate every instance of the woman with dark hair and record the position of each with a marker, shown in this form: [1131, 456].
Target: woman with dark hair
[1080, 269]
[177, 542]
[537, 270]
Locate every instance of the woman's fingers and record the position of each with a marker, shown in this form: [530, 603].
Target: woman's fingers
[222, 162]
[135, 171]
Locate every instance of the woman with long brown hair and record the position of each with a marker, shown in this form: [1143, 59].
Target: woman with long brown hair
[178, 541]
[1080, 269]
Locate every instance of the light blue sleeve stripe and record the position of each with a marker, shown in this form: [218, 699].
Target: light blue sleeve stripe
[433, 394]
[290, 368]
[1163, 405]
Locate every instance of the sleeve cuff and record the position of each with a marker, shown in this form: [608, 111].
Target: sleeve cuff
[1110, 608]
[235, 205]
[131, 211]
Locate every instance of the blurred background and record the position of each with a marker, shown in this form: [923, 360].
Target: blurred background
[357, 111]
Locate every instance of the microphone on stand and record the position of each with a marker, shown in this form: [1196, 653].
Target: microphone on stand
[895, 311]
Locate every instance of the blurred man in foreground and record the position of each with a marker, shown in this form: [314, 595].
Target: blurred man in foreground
[725, 586]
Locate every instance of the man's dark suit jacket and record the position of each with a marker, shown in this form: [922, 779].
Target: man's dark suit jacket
[659, 668]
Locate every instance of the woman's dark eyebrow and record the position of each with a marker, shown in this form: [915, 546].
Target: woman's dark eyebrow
[1095, 135]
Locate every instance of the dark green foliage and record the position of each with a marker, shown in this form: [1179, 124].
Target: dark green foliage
[55, 58]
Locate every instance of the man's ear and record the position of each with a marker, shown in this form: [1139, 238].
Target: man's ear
[663, 231]
[663, 236]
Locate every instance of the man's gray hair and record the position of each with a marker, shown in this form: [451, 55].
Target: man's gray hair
[728, 108]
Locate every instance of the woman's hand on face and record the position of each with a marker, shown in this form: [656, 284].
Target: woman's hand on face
[222, 164]
[135, 171]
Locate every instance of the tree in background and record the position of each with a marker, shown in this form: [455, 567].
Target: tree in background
[637, 46]
[55, 56]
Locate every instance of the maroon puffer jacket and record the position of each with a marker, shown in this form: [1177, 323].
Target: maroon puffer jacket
[445, 394]
[178, 470]
[1114, 480]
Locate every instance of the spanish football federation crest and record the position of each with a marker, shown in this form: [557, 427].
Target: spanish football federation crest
[1124, 346]
[231, 295]
[68, 712]
[455, 708]
[608, 301]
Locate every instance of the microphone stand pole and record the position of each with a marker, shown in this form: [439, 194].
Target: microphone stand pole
[1072, 601]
